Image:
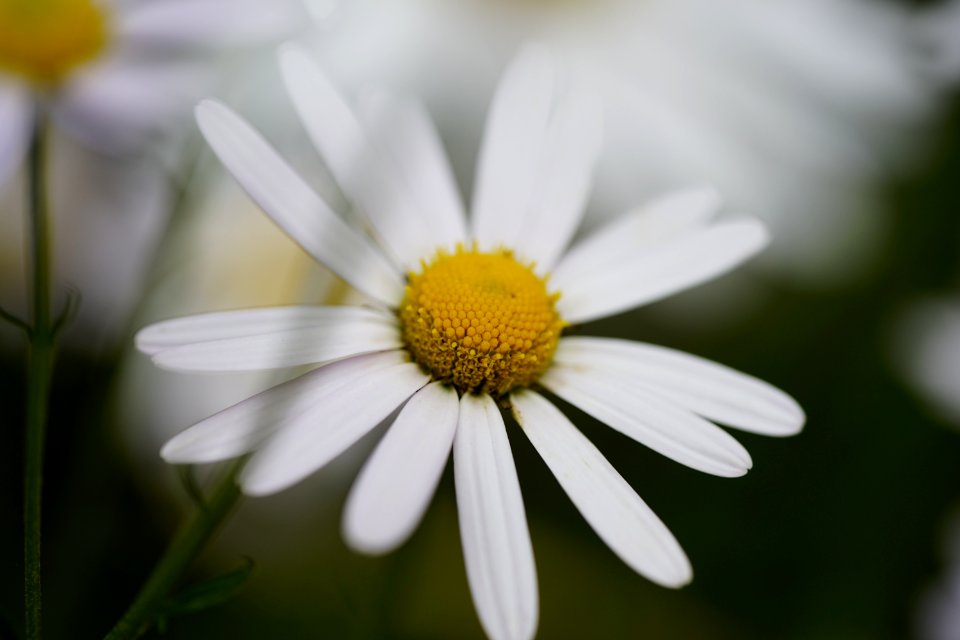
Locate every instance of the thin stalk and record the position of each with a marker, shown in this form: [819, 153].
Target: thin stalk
[189, 541]
[39, 372]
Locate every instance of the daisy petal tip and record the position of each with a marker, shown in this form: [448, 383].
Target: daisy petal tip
[363, 543]
[295, 61]
[745, 465]
[793, 424]
[682, 579]
[206, 109]
[211, 116]
[143, 341]
[175, 452]
[537, 54]
[756, 234]
[258, 487]
[288, 48]
[677, 574]
[790, 420]
[290, 56]
[705, 196]
[255, 482]
[735, 467]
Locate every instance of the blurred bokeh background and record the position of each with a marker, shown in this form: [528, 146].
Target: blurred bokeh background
[838, 122]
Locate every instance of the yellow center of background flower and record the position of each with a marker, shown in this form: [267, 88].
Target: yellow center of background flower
[44, 40]
[482, 322]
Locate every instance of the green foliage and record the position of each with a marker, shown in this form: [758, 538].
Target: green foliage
[204, 595]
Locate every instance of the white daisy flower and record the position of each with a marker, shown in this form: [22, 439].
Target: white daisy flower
[470, 316]
[111, 71]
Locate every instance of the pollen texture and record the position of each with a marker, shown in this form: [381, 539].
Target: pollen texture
[481, 321]
[44, 40]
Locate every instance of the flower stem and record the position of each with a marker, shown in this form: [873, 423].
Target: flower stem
[192, 536]
[39, 371]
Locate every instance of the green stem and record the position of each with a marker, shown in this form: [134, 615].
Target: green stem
[39, 371]
[193, 535]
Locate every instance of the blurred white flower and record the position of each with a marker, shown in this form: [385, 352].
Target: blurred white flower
[476, 321]
[793, 108]
[927, 350]
[111, 72]
[112, 76]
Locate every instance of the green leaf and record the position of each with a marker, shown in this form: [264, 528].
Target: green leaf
[206, 594]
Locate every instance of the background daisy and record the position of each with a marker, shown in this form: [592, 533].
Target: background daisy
[117, 93]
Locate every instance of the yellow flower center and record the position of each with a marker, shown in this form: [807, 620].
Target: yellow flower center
[44, 40]
[482, 322]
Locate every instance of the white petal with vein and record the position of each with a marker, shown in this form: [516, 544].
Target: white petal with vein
[294, 206]
[357, 164]
[223, 325]
[493, 525]
[656, 222]
[311, 345]
[704, 387]
[244, 426]
[393, 490]
[650, 420]
[404, 130]
[603, 497]
[569, 155]
[341, 419]
[512, 151]
[657, 272]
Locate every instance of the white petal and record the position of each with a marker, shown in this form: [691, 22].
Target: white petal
[706, 388]
[341, 419]
[607, 502]
[512, 149]
[223, 325]
[656, 222]
[206, 24]
[655, 273]
[393, 490]
[404, 130]
[569, 155]
[244, 426]
[358, 167]
[294, 206]
[666, 428]
[16, 123]
[313, 345]
[493, 525]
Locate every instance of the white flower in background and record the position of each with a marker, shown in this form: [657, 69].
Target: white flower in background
[111, 72]
[927, 351]
[470, 316]
[793, 108]
[111, 75]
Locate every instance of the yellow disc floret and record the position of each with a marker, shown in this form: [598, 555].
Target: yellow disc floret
[483, 322]
[44, 40]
